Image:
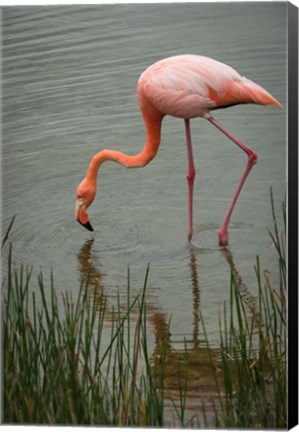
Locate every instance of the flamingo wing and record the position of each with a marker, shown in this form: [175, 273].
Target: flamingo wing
[190, 86]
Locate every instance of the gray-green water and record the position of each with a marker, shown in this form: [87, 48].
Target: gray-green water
[69, 79]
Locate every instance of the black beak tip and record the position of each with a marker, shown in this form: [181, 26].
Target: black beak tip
[87, 226]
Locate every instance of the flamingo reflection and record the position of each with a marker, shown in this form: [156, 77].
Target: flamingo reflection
[184, 361]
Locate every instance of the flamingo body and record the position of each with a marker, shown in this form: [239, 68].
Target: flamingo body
[185, 86]
[189, 86]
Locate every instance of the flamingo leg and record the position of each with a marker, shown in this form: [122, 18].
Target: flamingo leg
[252, 158]
[190, 178]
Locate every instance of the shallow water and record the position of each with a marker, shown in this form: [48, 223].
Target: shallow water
[69, 90]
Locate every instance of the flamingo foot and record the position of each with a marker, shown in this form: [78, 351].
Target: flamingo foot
[189, 237]
[223, 238]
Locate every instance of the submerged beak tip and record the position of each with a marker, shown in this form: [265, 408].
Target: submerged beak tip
[89, 227]
[86, 225]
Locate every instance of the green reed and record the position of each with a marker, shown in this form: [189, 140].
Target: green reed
[58, 368]
[253, 348]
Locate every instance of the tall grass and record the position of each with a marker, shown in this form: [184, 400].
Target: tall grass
[57, 368]
[61, 367]
[253, 348]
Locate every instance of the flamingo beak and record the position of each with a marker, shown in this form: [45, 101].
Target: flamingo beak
[87, 225]
[81, 215]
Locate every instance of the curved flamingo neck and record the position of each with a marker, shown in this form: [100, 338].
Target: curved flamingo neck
[153, 137]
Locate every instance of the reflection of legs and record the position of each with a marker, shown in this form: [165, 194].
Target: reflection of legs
[190, 178]
[195, 298]
[252, 157]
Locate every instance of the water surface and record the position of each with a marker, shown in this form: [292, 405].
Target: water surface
[69, 90]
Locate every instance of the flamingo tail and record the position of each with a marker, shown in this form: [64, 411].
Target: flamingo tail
[254, 93]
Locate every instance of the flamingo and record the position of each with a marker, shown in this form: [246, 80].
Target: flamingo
[184, 86]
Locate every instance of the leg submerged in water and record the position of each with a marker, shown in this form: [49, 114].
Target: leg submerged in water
[190, 178]
[252, 158]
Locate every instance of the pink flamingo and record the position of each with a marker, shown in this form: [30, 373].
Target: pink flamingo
[184, 86]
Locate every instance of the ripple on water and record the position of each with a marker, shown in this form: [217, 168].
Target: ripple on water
[69, 89]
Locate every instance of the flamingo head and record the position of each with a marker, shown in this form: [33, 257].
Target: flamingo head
[85, 194]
